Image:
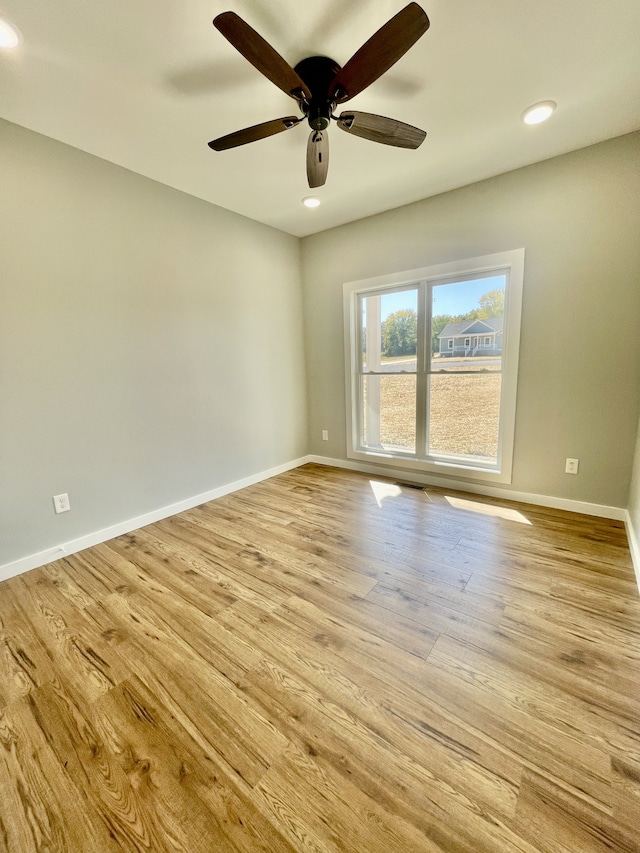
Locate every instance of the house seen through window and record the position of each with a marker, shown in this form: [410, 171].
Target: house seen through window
[427, 360]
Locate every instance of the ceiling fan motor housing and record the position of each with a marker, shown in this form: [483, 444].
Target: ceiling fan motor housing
[318, 72]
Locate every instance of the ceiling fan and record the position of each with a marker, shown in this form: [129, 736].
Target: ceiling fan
[319, 84]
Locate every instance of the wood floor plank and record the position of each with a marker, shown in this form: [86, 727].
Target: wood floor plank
[171, 772]
[41, 808]
[406, 634]
[76, 650]
[347, 550]
[227, 723]
[327, 661]
[257, 568]
[406, 787]
[335, 810]
[539, 698]
[394, 713]
[573, 622]
[596, 676]
[539, 745]
[559, 823]
[24, 663]
[277, 550]
[137, 559]
[91, 763]
[625, 792]
[437, 615]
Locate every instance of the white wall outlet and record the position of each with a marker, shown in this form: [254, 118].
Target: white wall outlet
[61, 503]
[325, 435]
[571, 466]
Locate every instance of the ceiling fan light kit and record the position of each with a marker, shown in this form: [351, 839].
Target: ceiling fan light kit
[319, 84]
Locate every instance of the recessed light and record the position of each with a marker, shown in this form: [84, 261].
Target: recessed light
[9, 35]
[311, 201]
[538, 112]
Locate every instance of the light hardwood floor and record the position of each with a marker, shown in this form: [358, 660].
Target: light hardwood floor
[322, 662]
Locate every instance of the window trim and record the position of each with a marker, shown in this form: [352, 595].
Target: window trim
[511, 263]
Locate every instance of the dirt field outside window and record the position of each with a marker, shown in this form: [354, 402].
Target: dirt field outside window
[463, 416]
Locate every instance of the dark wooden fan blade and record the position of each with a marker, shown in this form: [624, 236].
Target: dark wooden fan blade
[261, 55]
[317, 158]
[383, 50]
[388, 131]
[252, 134]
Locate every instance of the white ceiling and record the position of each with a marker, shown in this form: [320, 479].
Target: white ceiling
[147, 84]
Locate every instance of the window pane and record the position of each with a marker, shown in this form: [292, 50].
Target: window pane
[466, 325]
[389, 331]
[389, 412]
[464, 416]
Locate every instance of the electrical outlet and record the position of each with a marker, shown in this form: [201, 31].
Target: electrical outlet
[325, 435]
[61, 503]
[571, 466]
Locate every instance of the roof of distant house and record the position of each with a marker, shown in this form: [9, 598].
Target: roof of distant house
[472, 327]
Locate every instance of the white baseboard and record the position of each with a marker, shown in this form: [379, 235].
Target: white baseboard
[633, 546]
[33, 561]
[614, 512]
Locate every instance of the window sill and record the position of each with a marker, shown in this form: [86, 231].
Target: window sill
[424, 466]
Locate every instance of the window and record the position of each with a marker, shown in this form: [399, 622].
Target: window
[414, 401]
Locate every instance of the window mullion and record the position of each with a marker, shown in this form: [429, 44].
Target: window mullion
[357, 425]
[423, 355]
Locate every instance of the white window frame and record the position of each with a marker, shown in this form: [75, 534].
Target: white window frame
[511, 264]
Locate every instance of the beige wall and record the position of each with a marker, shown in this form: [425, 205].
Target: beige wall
[578, 218]
[151, 345]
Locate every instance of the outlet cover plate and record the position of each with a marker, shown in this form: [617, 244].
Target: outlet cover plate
[61, 503]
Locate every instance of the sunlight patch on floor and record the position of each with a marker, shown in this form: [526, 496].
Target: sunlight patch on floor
[381, 491]
[487, 509]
